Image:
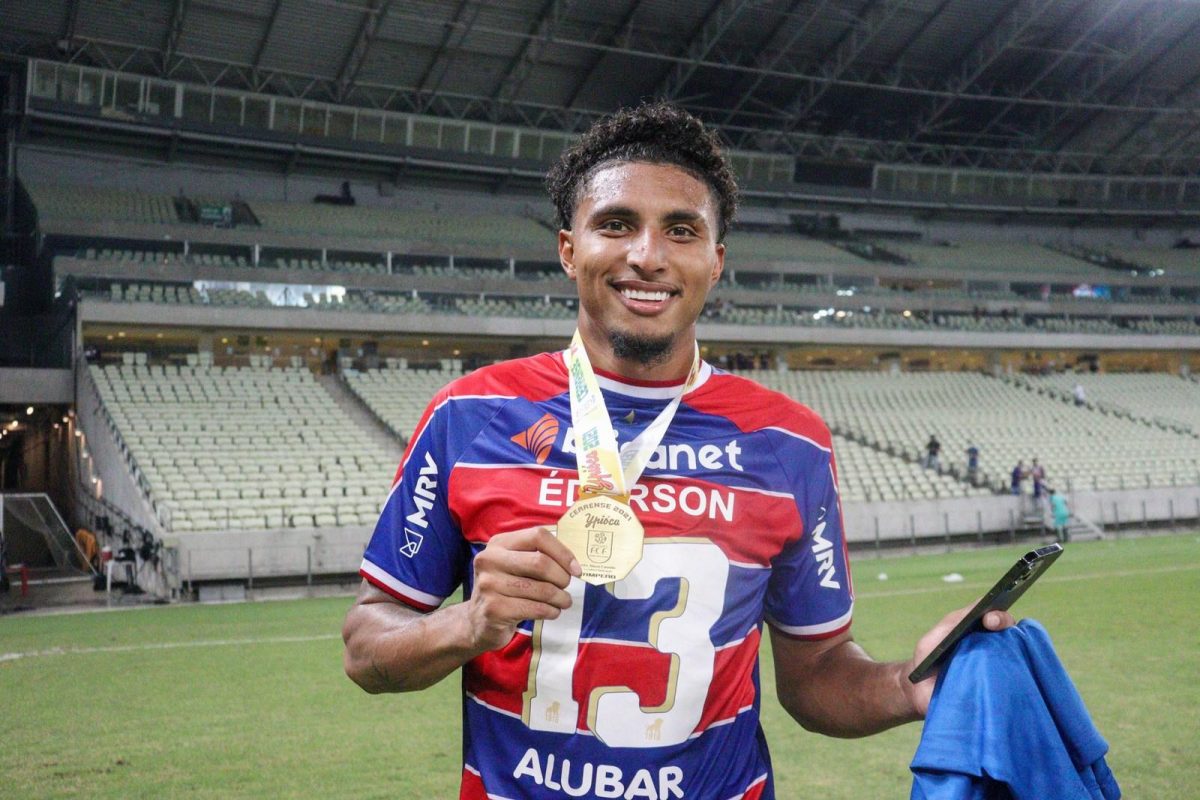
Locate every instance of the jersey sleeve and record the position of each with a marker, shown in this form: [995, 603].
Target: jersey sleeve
[417, 553]
[809, 594]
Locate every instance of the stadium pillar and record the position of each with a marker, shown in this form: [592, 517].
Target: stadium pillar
[946, 527]
[308, 573]
[979, 526]
[10, 154]
[1171, 509]
[877, 537]
[912, 529]
[249, 567]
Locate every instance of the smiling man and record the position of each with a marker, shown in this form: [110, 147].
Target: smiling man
[625, 520]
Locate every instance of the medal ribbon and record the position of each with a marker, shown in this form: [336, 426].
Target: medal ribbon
[603, 470]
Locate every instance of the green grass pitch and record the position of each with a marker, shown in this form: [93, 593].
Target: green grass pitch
[249, 700]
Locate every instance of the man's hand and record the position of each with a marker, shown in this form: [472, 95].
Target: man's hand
[520, 575]
[923, 691]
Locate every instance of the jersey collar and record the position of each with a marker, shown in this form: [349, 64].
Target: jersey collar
[645, 390]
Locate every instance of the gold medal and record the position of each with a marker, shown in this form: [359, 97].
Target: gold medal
[604, 535]
[600, 528]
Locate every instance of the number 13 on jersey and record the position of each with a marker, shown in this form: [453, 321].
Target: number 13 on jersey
[615, 713]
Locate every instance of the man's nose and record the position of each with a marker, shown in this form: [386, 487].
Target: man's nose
[648, 251]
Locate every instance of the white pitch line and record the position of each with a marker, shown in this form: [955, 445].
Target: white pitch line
[130, 648]
[1056, 579]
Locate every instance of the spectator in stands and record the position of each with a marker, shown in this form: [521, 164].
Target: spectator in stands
[1018, 475]
[643, 199]
[933, 449]
[1079, 395]
[1037, 473]
[972, 462]
[1062, 515]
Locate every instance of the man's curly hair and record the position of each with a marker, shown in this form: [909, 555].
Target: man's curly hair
[654, 133]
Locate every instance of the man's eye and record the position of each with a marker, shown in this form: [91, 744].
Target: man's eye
[681, 230]
[614, 225]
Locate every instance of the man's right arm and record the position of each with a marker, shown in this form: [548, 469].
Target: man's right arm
[391, 647]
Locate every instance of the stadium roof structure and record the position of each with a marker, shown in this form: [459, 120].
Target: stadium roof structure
[1072, 86]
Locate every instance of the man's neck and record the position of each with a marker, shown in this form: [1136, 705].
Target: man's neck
[674, 367]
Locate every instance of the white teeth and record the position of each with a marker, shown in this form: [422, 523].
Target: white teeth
[638, 294]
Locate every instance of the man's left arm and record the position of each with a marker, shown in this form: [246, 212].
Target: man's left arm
[832, 686]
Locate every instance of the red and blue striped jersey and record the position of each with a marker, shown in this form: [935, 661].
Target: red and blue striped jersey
[646, 687]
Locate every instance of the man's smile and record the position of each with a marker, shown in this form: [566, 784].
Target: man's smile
[642, 297]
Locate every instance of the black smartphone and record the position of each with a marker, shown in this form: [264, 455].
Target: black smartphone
[999, 598]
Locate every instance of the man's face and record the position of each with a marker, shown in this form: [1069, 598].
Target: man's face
[643, 251]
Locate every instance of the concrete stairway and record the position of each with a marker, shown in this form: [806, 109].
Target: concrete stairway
[360, 414]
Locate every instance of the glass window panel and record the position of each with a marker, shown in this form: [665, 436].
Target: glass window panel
[227, 109]
[529, 146]
[395, 130]
[162, 99]
[504, 142]
[89, 88]
[479, 139]
[257, 113]
[370, 127]
[425, 133]
[341, 124]
[314, 120]
[942, 182]
[68, 84]
[108, 91]
[129, 91]
[45, 80]
[196, 103]
[454, 137]
[552, 146]
[287, 117]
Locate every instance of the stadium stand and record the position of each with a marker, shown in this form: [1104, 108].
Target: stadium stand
[100, 204]
[398, 395]
[791, 248]
[1167, 400]
[504, 233]
[865, 473]
[1082, 448]
[220, 448]
[563, 307]
[993, 256]
[1173, 261]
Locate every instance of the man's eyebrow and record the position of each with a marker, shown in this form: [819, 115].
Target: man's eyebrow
[625, 212]
[683, 215]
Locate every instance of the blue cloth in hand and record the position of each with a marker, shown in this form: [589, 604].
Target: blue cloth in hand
[1006, 723]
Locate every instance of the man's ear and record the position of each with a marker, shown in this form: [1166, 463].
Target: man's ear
[718, 266]
[566, 253]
